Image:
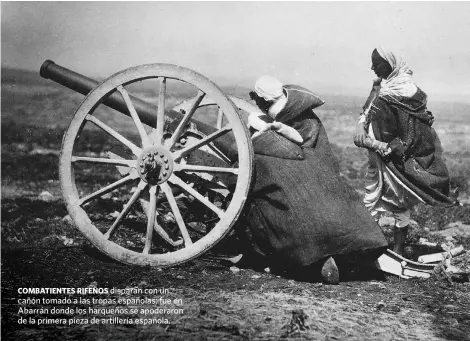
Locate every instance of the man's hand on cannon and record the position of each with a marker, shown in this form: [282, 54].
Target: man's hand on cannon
[261, 124]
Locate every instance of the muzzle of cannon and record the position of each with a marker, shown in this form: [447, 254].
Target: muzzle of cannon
[210, 166]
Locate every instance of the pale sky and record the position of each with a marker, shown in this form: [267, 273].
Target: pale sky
[325, 46]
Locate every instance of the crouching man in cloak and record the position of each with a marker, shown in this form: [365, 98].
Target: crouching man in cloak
[302, 214]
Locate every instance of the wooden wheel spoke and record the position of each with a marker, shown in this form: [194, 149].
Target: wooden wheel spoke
[176, 212]
[138, 123]
[151, 219]
[165, 235]
[120, 162]
[107, 189]
[220, 117]
[219, 153]
[180, 153]
[126, 209]
[184, 122]
[135, 150]
[161, 111]
[177, 181]
[178, 167]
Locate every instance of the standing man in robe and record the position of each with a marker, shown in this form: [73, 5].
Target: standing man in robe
[406, 166]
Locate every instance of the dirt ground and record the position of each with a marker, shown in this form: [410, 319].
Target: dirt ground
[220, 303]
[42, 249]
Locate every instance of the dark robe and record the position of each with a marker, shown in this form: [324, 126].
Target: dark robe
[416, 157]
[300, 209]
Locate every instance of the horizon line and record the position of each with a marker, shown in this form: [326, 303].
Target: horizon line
[243, 82]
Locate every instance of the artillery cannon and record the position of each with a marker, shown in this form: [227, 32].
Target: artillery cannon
[172, 158]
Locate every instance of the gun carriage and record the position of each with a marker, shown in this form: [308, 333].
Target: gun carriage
[173, 156]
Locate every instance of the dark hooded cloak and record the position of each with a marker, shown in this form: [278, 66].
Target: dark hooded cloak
[416, 157]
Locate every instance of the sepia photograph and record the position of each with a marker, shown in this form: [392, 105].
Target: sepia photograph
[235, 170]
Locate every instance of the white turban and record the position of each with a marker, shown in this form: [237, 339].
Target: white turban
[399, 82]
[269, 88]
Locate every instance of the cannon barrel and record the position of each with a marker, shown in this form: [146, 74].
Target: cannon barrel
[146, 111]
[85, 85]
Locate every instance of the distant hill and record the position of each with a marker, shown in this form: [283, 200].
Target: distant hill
[20, 77]
[342, 105]
[32, 104]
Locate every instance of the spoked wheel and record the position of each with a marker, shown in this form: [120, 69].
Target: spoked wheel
[109, 165]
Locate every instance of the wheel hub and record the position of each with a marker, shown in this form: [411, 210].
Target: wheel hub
[155, 165]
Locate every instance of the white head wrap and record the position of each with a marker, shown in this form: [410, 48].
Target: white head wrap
[399, 82]
[269, 88]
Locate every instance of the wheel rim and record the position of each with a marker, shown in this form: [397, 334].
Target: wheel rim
[155, 164]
